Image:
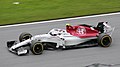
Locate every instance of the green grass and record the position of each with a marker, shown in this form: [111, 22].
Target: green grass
[33, 10]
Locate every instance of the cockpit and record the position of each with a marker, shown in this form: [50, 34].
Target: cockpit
[57, 32]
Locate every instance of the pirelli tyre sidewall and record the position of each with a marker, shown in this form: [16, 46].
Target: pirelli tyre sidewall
[104, 40]
[36, 47]
[24, 36]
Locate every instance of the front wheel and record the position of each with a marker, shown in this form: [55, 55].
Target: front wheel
[104, 40]
[36, 47]
[24, 36]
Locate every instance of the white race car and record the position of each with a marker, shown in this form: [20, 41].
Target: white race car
[73, 37]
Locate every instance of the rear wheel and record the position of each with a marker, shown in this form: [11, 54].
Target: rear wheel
[36, 47]
[104, 40]
[24, 36]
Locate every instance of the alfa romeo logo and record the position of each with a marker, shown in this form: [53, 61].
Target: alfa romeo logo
[81, 30]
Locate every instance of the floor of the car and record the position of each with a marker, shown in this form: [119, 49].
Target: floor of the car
[91, 43]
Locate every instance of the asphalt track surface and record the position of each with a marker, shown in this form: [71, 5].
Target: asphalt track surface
[59, 58]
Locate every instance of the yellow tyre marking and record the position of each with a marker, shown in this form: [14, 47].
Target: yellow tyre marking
[34, 47]
[25, 36]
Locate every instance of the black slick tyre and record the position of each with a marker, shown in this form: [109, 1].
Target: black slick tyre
[36, 47]
[104, 40]
[24, 36]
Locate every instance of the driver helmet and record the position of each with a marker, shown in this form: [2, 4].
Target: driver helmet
[68, 25]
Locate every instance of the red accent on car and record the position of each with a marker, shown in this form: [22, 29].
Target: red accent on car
[82, 31]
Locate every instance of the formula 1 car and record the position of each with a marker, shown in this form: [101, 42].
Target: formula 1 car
[82, 35]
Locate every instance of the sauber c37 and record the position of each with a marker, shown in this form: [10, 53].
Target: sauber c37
[81, 35]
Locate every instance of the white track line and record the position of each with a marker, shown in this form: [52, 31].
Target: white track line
[60, 20]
